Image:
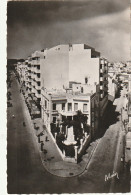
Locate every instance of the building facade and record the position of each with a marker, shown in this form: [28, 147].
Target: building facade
[65, 64]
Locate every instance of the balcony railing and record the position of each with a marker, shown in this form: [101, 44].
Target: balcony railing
[68, 113]
[54, 112]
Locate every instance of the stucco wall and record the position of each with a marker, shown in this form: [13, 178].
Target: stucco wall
[54, 68]
[81, 65]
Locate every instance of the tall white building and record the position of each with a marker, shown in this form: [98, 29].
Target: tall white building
[65, 64]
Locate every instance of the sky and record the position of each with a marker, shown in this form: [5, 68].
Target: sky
[102, 24]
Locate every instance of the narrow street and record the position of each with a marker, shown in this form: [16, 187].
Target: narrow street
[26, 173]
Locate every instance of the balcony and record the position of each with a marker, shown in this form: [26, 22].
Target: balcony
[29, 73]
[29, 78]
[37, 95]
[29, 68]
[36, 70]
[35, 62]
[68, 113]
[37, 78]
[33, 90]
[54, 112]
[85, 112]
[37, 87]
[33, 83]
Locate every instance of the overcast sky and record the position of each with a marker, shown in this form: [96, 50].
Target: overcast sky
[102, 24]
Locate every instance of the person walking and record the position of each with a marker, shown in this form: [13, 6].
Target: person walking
[42, 146]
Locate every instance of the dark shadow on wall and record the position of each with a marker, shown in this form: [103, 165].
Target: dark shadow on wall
[111, 116]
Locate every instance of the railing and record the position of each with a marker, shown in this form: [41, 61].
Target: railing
[68, 113]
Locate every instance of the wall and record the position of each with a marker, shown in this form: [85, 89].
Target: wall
[64, 63]
[54, 68]
[81, 65]
[85, 145]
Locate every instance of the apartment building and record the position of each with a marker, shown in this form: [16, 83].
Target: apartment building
[30, 78]
[22, 70]
[75, 63]
[58, 104]
[34, 69]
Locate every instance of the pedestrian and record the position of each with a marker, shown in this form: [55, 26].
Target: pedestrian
[38, 138]
[46, 138]
[42, 146]
[13, 116]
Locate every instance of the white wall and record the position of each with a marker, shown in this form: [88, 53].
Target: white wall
[63, 64]
[81, 65]
[54, 68]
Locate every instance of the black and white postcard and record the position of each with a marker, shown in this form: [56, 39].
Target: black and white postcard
[68, 97]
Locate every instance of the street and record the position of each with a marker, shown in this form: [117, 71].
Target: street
[27, 175]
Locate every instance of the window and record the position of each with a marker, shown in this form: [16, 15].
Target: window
[54, 106]
[54, 119]
[75, 106]
[38, 75]
[84, 107]
[38, 67]
[38, 83]
[69, 106]
[63, 106]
